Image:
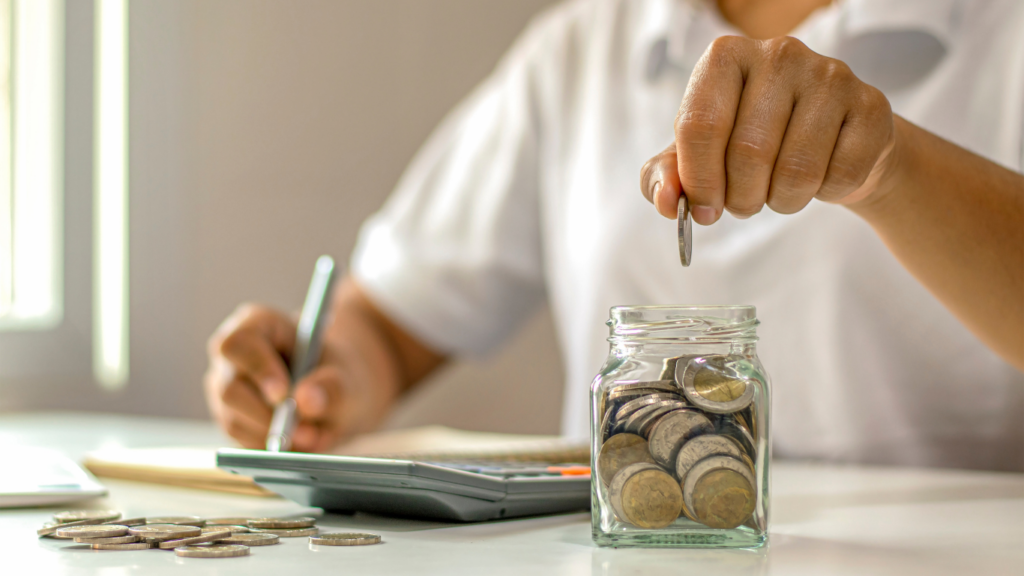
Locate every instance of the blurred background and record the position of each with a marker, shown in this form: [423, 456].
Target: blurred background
[259, 134]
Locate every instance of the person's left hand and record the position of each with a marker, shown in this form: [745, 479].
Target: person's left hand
[771, 122]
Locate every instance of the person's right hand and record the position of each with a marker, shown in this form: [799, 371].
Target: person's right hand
[248, 376]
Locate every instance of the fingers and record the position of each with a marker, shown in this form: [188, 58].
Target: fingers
[866, 136]
[761, 121]
[772, 123]
[659, 182]
[704, 125]
[322, 409]
[804, 155]
[253, 340]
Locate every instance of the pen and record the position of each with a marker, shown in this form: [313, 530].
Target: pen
[307, 351]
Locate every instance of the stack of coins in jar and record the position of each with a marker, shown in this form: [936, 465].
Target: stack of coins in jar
[678, 456]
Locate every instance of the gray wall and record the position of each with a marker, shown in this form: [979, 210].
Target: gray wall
[262, 134]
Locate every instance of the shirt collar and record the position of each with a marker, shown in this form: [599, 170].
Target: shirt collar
[675, 33]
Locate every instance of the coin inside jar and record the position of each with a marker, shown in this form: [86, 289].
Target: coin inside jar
[702, 447]
[709, 385]
[636, 421]
[620, 451]
[619, 481]
[672, 431]
[719, 491]
[651, 499]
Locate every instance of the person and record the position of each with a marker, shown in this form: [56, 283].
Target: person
[885, 137]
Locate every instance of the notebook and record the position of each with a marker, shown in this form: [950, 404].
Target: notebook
[196, 467]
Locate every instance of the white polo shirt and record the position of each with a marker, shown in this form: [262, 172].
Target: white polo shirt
[529, 191]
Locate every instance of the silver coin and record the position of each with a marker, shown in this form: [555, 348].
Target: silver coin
[634, 405]
[709, 464]
[729, 427]
[683, 225]
[130, 546]
[633, 422]
[164, 531]
[126, 539]
[50, 528]
[625, 388]
[672, 430]
[619, 480]
[668, 368]
[96, 516]
[94, 531]
[292, 532]
[648, 423]
[217, 551]
[261, 523]
[345, 539]
[702, 447]
[687, 373]
[208, 537]
[252, 539]
[230, 527]
[127, 522]
[179, 520]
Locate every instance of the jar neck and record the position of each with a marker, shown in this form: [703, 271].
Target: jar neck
[677, 327]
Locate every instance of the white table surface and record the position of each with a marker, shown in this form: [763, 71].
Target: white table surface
[825, 520]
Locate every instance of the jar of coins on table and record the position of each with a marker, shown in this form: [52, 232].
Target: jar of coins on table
[679, 430]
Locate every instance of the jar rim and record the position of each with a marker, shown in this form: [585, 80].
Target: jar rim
[693, 323]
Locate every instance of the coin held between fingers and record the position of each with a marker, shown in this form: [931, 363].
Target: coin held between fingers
[684, 226]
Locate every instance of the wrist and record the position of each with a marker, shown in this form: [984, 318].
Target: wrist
[892, 174]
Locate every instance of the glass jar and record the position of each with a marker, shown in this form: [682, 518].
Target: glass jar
[680, 438]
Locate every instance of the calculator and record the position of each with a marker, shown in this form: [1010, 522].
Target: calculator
[461, 491]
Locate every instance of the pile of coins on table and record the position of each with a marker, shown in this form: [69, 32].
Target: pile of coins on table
[189, 536]
[681, 445]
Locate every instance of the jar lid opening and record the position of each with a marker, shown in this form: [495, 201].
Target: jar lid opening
[683, 323]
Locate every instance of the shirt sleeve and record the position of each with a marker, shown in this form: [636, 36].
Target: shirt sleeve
[454, 255]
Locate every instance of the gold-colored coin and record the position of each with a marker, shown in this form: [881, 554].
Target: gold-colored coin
[717, 387]
[651, 499]
[620, 451]
[723, 498]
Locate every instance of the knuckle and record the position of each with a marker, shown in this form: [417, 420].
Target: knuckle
[785, 49]
[835, 71]
[697, 126]
[798, 173]
[753, 146]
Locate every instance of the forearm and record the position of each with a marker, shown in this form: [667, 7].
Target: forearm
[956, 222]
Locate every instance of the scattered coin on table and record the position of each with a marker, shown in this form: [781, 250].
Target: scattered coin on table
[233, 528]
[98, 531]
[182, 520]
[261, 523]
[345, 539]
[292, 532]
[193, 536]
[132, 546]
[202, 538]
[252, 539]
[165, 531]
[218, 551]
[95, 516]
